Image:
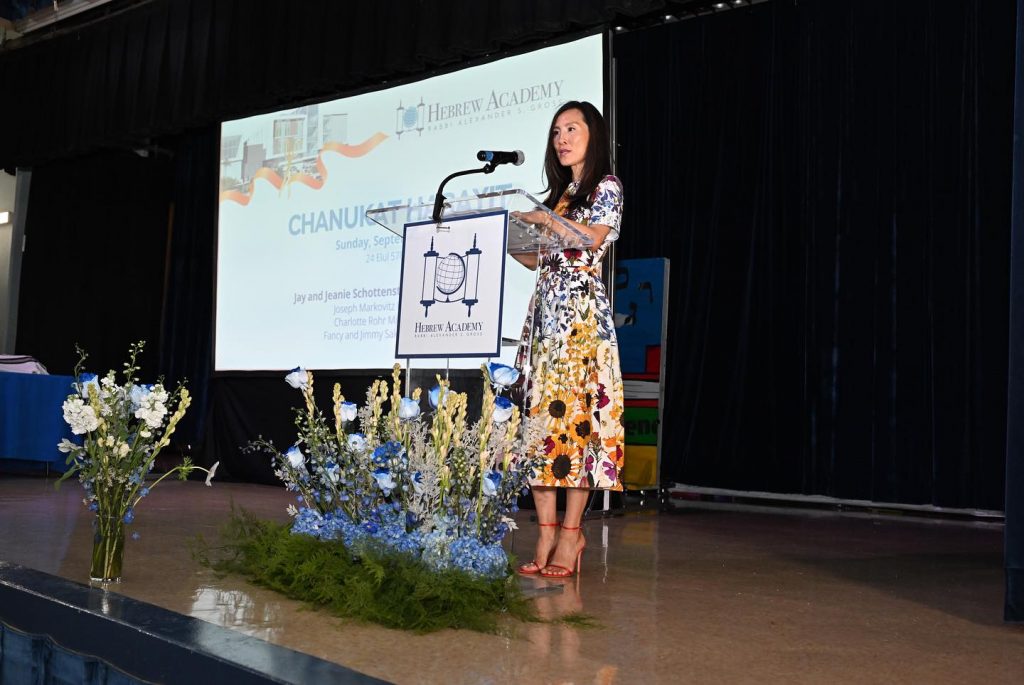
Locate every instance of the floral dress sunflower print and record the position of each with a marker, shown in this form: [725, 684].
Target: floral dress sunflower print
[576, 384]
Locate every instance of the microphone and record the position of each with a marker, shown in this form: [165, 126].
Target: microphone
[496, 157]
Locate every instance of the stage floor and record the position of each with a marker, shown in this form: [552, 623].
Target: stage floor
[707, 594]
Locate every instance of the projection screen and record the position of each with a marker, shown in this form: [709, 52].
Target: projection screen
[303, 277]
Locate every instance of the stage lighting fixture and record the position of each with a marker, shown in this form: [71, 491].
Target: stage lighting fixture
[720, 5]
[5, 218]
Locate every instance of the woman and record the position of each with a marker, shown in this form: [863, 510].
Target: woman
[575, 383]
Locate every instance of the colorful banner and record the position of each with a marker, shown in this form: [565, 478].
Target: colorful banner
[641, 306]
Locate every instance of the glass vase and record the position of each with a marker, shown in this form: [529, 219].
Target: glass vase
[107, 549]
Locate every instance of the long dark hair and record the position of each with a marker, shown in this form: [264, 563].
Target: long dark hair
[596, 165]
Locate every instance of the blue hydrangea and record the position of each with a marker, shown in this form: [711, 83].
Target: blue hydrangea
[478, 559]
[384, 529]
[467, 554]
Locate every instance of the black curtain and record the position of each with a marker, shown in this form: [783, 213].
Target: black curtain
[831, 181]
[93, 267]
[186, 350]
[1014, 559]
[163, 66]
[120, 247]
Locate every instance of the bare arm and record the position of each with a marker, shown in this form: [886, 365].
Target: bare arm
[529, 260]
[596, 232]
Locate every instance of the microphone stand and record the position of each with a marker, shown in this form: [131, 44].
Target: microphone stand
[439, 198]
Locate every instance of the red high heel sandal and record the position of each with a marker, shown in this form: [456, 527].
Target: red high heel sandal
[562, 571]
[532, 568]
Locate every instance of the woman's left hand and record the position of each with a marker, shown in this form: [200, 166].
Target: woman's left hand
[536, 216]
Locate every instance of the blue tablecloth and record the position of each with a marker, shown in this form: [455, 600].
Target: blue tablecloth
[31, 420]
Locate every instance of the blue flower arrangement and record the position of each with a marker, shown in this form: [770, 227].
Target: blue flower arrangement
[426, 486]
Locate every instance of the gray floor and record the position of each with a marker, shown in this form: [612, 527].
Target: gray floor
[702, 595]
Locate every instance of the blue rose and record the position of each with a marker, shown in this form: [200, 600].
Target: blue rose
[502, 375]
[408, 409]
[490, 483]
[385, 481]
[348, 411]
[297, 378]
[434, 396]
[502, 409]
[137, 393]
[296, 459]
[85, 381]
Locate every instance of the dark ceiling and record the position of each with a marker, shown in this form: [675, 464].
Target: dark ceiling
[13, 10]
[28, 16]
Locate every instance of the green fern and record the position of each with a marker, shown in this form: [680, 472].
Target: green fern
[392, 590]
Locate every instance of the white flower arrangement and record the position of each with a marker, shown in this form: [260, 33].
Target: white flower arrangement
[426, 484]
[124, 427]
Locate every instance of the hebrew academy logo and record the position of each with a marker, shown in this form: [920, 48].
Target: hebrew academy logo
[408, 119]
[452, 278]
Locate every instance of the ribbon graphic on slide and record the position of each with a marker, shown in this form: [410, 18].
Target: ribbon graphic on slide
[275, 179]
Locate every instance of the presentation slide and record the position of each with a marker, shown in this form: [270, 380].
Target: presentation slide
[304, 278]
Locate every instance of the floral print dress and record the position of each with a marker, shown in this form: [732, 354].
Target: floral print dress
[576, 383]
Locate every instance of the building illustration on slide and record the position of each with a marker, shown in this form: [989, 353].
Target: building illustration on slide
[287, 143]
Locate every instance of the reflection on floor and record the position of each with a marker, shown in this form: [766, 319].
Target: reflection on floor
[702, 595]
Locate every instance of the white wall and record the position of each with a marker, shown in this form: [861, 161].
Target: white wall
[7, 187]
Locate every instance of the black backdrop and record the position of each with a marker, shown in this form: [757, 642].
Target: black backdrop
[93, 268]
[831, 181]
[830, 178]
[1014, 559]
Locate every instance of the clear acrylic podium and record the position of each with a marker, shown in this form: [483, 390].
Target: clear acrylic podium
[523, 238]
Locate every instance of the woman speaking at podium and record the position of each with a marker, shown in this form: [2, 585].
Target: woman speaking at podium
[576, 383]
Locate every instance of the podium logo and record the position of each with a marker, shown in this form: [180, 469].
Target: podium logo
[452, 278]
